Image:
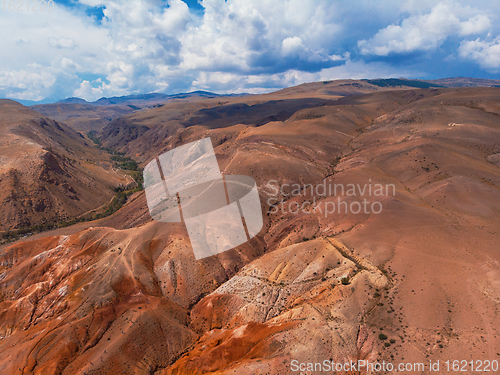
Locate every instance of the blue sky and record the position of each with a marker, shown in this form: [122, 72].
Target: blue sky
[96, 48]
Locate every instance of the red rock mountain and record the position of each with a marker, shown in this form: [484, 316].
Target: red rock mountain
[415, 282]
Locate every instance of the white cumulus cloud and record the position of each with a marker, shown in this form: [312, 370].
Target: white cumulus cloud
[425, 31]
[292, 45]
[231, 46]
[62, 42]
[485, 53]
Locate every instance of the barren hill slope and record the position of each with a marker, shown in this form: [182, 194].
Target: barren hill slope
[86, 116]
[83, 117]
[413, 282]
[140, 133]
[49, 172]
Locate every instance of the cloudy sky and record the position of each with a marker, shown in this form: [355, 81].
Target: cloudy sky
[96, 48]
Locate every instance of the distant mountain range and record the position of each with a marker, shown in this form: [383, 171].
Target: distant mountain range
[142, 99]
[384, 82]
[86, 116]
[130, 99]
[127, 99]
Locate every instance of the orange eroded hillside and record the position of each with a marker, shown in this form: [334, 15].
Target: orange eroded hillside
[414, 282]
[49, 172]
